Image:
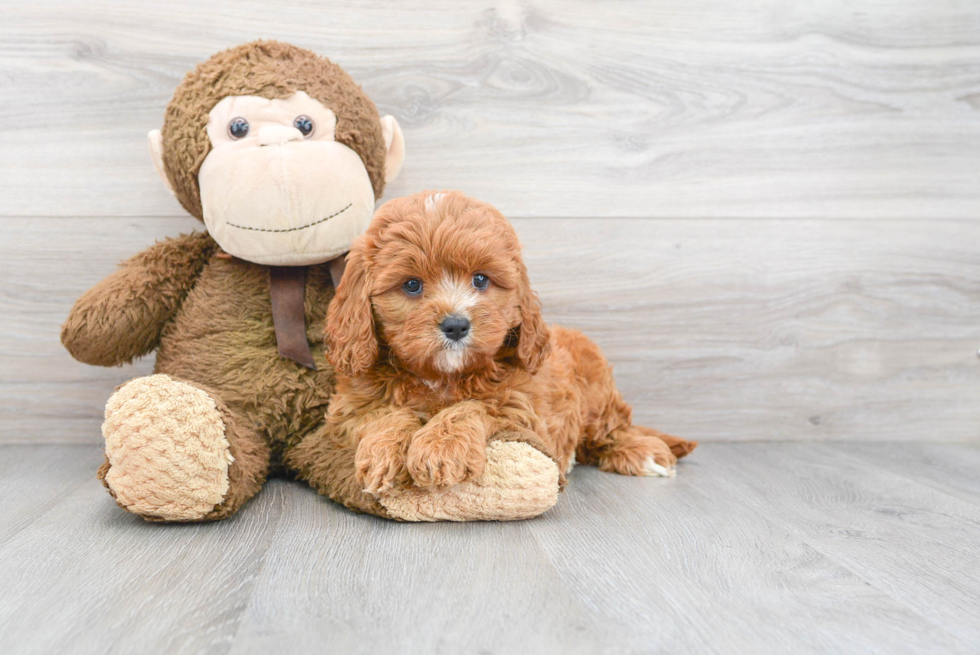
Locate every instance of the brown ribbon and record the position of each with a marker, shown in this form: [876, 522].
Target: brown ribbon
[287, 287]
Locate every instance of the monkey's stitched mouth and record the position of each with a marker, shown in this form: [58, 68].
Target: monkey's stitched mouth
[291, 229]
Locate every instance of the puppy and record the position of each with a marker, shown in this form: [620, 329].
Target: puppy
[440, 347]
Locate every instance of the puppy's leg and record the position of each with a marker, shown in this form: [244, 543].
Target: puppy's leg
[680, 447]
[633, 449]
[608, 438]
[451, 447]
[630, 452]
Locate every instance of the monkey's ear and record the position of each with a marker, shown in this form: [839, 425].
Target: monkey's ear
[394, 146]
[156, 151]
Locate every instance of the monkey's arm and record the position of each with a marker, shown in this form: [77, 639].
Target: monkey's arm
[121, 317]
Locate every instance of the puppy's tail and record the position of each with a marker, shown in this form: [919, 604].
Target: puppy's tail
[679, 447]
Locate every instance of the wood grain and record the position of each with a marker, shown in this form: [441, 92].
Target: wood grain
[953, 469]
[85, 576]
[764, 212]
[717, 329]
[34, 479]
[688, 181]
[547, 108]
[756, 548]
[426, 588]
[909, 540]
[701, 564]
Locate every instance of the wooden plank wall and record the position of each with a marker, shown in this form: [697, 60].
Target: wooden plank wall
[766, 212]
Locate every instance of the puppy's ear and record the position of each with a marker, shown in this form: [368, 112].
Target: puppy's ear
[534, 339]
[352, 345]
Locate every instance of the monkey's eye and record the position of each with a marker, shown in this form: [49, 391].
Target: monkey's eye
[304, 124]
[481, 282]
[238, 128]
[412, 287]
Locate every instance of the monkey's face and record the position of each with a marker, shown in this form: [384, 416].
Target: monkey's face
[278, 151]
[276, 187]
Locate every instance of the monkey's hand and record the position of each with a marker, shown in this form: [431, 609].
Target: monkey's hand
[121, 317]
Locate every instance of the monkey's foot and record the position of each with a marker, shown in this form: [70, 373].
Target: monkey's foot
[166, 451]
[518, 482]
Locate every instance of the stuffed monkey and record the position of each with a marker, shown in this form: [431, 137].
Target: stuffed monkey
[282, 156]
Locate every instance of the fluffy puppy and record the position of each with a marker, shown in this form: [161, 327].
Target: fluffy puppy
[440, 347]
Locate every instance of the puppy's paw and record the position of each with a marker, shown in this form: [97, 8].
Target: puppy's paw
[660, 461]
[653, 468]
[439, 460]
[379, 464]
[635, 454]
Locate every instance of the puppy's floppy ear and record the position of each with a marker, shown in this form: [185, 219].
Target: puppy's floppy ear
[534, 339]
[352, 345]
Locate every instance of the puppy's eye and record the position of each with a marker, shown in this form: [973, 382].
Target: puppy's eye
[480, 281]
[238, 128]
[304, 124]
[412, 287]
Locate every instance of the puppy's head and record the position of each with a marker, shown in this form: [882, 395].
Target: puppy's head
[437, 284]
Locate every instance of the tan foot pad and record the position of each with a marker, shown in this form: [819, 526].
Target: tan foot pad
[519, 482]
[167, 450]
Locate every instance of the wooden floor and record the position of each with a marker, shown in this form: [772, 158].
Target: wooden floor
[753, 548]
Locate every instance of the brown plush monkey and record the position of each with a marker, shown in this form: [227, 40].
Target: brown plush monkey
[282, 156]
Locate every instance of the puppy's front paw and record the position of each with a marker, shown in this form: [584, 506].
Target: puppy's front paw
[379, 464]
[437, 459]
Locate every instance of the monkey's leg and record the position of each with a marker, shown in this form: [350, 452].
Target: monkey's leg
[518, 482]
[174, 452]
[515, 478]
[350, 461]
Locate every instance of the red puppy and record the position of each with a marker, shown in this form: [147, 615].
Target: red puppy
[439, 347]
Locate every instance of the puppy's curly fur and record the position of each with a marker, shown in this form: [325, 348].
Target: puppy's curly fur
[415, 406]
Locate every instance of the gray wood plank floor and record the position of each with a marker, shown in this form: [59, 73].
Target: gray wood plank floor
[754, 547]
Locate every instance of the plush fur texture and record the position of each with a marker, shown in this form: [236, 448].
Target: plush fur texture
[222, 393]
[209, 316]
[273, 70]
[518, 482]
[210, 320]
[413, 408]
[166, 447]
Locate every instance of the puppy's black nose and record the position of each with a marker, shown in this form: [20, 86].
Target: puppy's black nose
[455, 327]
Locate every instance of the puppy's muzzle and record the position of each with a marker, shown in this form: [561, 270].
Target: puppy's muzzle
[455, 327]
